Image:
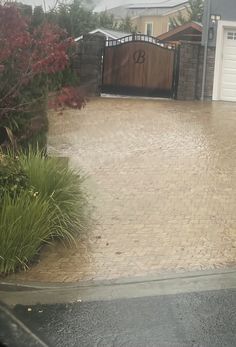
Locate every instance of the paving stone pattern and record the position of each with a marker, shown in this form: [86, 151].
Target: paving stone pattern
[162, 178]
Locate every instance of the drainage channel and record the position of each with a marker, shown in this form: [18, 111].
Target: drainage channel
[12, 294]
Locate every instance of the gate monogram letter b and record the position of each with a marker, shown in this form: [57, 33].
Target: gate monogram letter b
[139, 57]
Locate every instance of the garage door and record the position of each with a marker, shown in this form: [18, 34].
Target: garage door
[228, 81]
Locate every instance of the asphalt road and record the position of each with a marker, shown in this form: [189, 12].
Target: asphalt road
[206, 319]
[179, 310]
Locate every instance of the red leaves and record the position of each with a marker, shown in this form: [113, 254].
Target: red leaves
[50, 49]
[51, 63]
[45, 50]
[42, 51]
[13, 32]
[68, 97]
[27, 53]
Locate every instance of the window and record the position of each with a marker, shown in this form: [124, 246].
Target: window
[231, 35]
[149, 29]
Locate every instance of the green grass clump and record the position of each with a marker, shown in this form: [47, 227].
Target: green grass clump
[54, 180]
[53, 205]
[25, 225]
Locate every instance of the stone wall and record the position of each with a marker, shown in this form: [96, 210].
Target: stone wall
[209, 73]
[90, 53]
[191, 70]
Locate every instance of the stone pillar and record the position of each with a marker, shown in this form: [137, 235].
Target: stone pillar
[209, 73]
[191, 70]
[188, 71]
[90, 54]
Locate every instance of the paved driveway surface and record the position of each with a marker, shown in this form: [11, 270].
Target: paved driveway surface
[162, 175]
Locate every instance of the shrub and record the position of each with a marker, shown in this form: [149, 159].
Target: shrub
[25, 225]
[33, 62]
[12, 176]
[53, 205]
[54, 180]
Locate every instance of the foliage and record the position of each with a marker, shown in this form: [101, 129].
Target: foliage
[107, 20]
[38, 16]
[62, 186]
[74, 18]
[33, 60]
[13, 179]
[25, 223]
[41, 198]
[127, 26]
[69, 97]
[77, 19]
[52, 205]
[194, 10]
[25, 10]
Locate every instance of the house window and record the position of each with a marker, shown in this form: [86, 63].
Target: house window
[149, 29]
[231, 35]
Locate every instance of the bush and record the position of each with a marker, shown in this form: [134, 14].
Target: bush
[25, 225]
[54, 180]
[53, 205]
[31, 127]
[34, 61]
[12, 177]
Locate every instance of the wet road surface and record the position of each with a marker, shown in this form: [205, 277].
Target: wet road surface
[203, 319]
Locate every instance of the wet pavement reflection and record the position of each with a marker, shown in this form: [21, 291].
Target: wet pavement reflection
[162, 183]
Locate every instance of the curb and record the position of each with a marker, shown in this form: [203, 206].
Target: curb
[17, 286]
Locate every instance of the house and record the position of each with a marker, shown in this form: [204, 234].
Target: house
[187, 32]
[220, 34]
[107, 33]
[151, 17]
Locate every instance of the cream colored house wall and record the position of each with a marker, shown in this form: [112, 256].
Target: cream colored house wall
[160, 23]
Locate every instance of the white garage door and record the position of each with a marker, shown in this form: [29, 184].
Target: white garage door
[228, 80]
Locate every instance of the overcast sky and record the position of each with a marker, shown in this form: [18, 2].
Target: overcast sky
[100, 5]
[103, 5]
[50, 3]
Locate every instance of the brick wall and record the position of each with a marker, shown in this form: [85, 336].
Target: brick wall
[191, 69]
[90, 52]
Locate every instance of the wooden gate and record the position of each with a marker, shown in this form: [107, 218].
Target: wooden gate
[138, 66]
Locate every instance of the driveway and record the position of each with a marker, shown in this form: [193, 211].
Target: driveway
[162, 179]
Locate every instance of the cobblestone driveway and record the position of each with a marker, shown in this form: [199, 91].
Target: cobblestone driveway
[163, 176]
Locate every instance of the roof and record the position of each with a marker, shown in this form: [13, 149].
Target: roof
[113, 34]
[160, 4]
[186, 32]
[111, 4]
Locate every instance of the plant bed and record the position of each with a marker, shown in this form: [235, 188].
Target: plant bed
[49, 203]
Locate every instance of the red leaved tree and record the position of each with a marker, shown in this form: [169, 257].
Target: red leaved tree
[31, 59]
